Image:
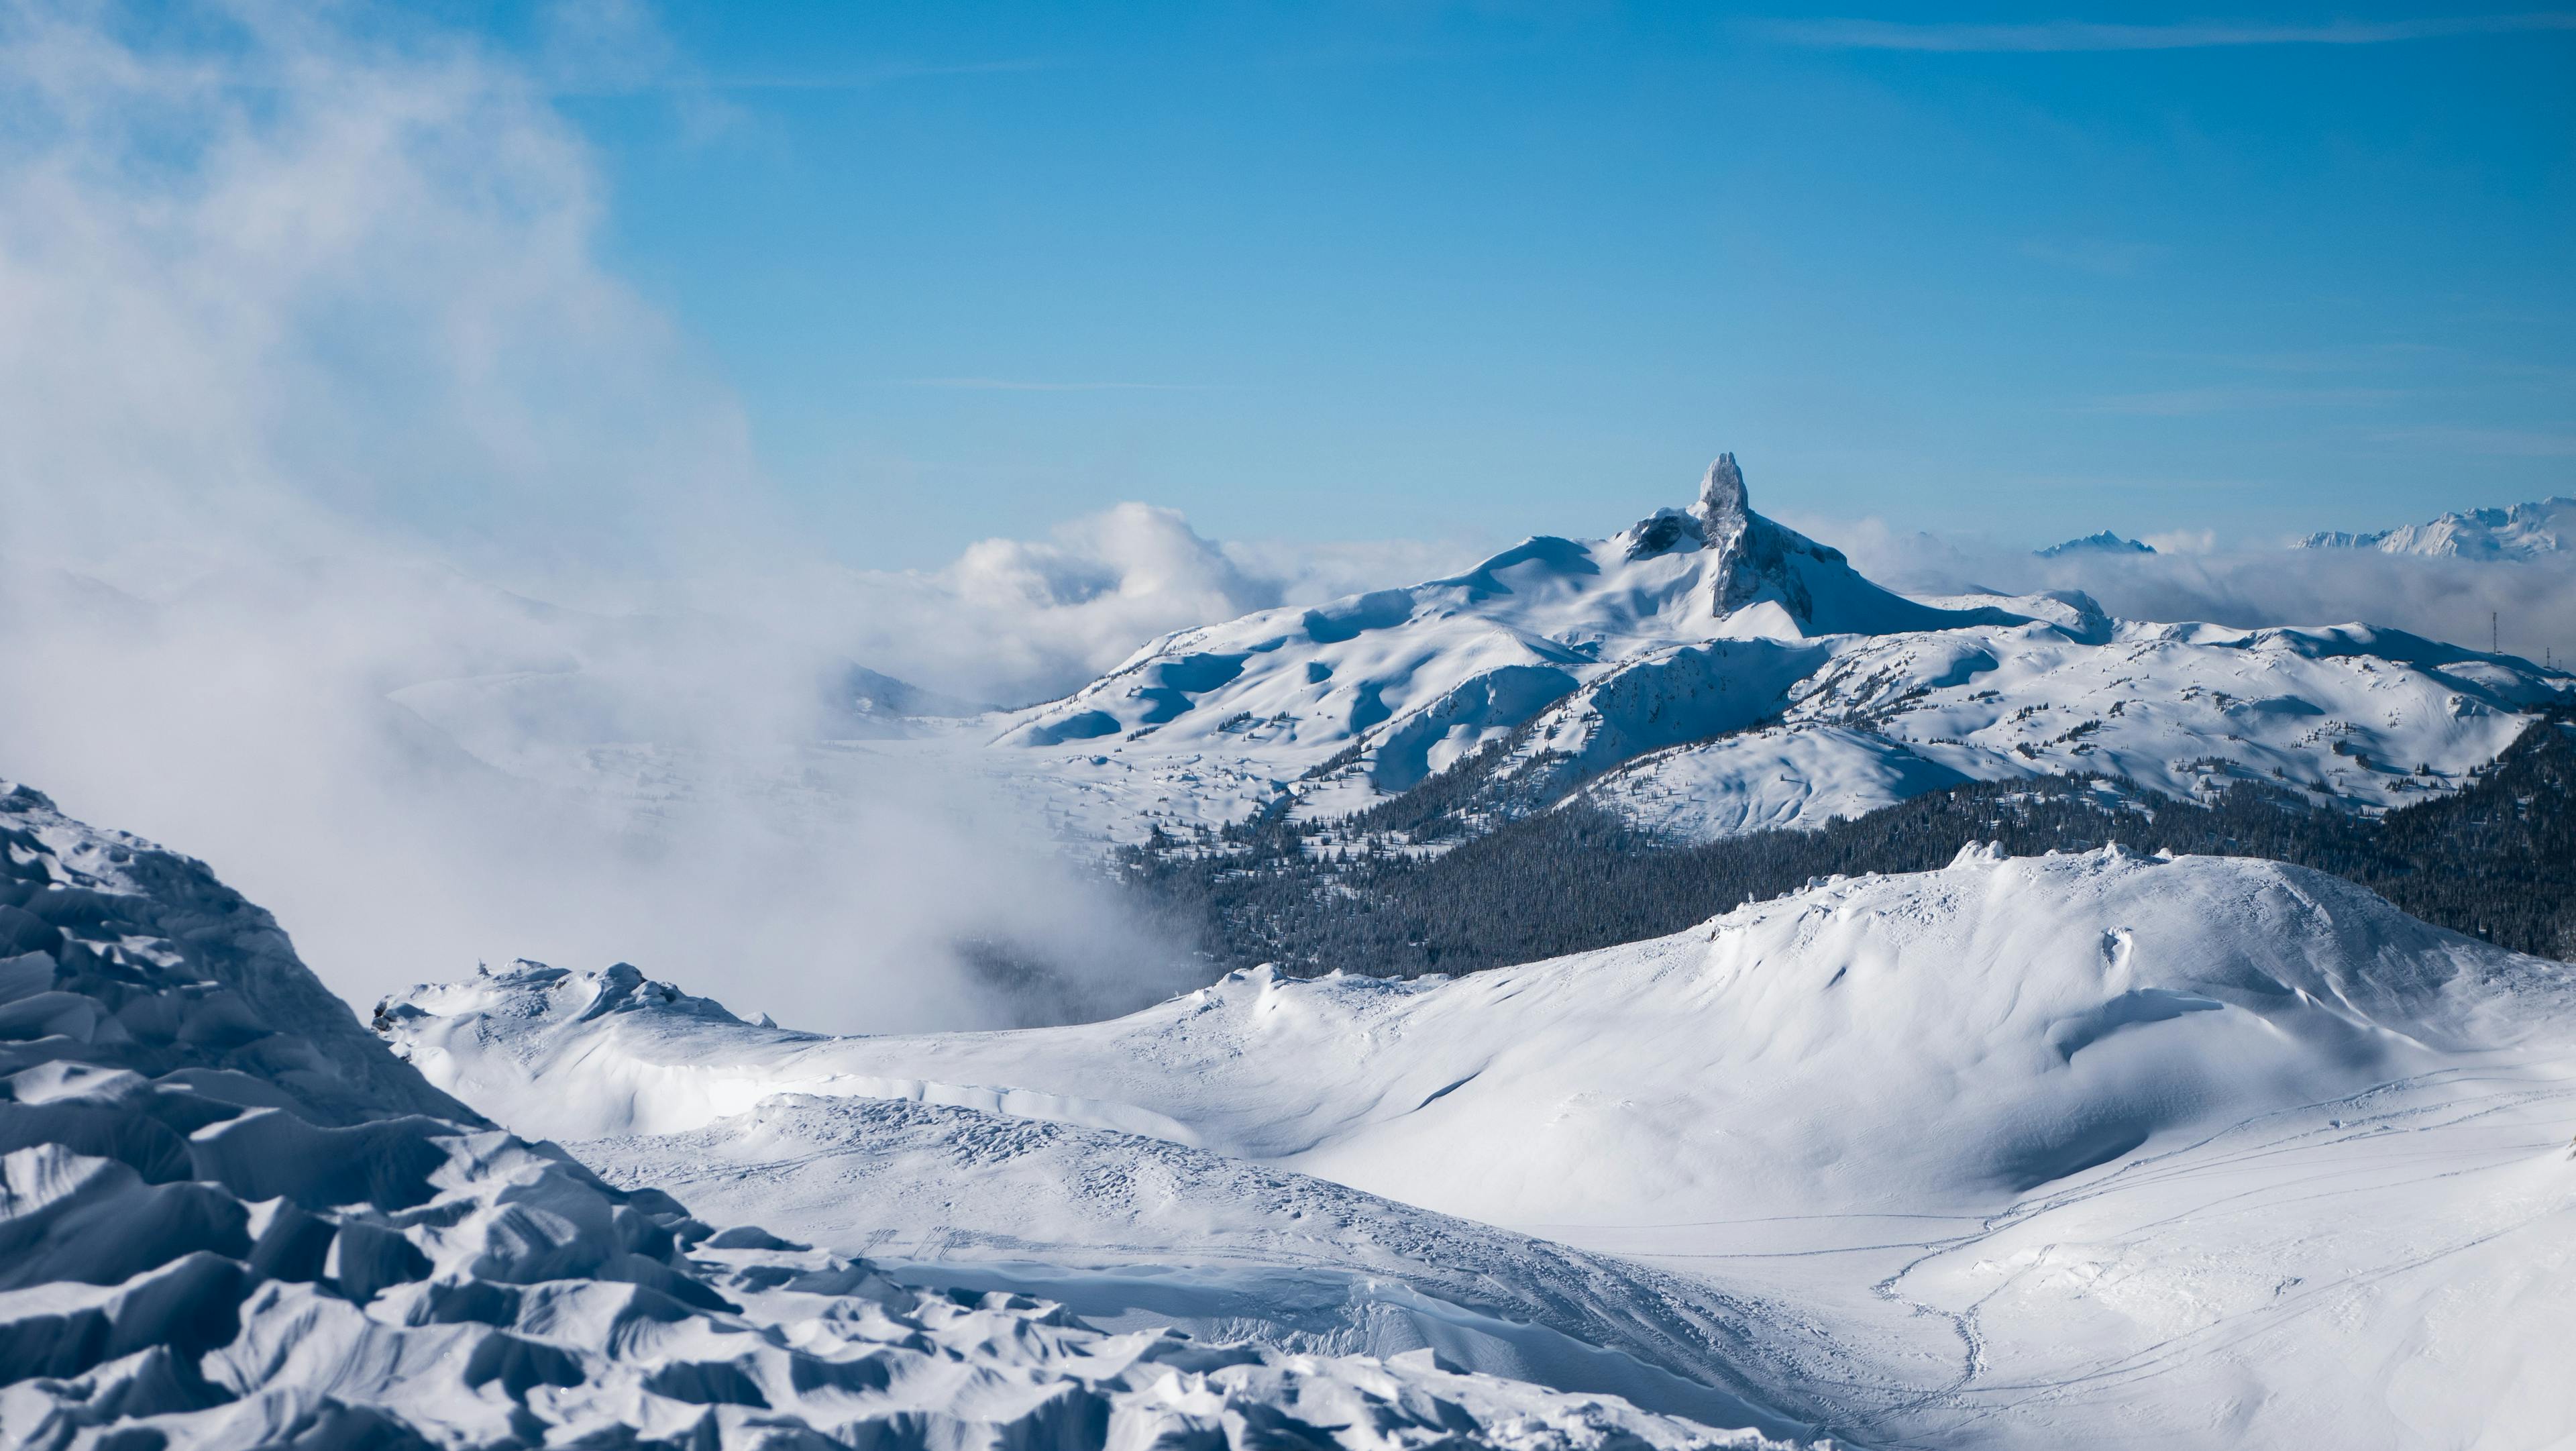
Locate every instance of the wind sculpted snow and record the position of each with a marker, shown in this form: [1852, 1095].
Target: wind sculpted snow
[2095, 1149]
[230, 1219]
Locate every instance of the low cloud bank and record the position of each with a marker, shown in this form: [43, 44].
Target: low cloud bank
[368, 538]
[1015, 621]
[2200, 577]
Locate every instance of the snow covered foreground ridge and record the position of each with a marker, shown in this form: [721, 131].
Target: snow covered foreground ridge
[1709, 671]
[2037, 1016]
[2071, 1150]
[228, 1218]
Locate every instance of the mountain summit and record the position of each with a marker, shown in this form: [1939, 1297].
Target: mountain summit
[1750, 556]
[1752, 550]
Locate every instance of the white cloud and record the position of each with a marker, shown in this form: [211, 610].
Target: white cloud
[1014, 621]
[2183, 541]
[2197, 575]
[304, 341]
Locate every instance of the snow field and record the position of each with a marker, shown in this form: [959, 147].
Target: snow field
[2096, 1148]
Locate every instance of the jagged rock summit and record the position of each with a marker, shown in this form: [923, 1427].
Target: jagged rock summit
[1755, 553]
[1751, 555]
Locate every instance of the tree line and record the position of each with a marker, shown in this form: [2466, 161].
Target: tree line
[2495, 860]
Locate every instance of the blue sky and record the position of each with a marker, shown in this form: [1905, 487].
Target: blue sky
[1392, 269]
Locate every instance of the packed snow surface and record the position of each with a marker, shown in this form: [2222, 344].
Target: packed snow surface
[2094, 1149]
[2524, 531]
[1681, 671]
[229, 1218]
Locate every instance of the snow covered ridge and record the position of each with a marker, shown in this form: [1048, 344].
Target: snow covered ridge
[2092, 1149]
[2524, 531]
[229, 1218]
[1708, 671]
[2071, 1008]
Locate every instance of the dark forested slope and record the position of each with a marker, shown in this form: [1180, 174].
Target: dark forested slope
[2496, 860]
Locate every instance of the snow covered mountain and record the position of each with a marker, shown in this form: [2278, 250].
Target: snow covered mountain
[2072, 1150]
[2105, 542]
[1708, 671]
[229, 1218]
[2524, 531]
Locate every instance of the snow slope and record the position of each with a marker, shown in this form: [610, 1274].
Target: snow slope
[2524, 531]
[1130, 1232]
[1640, 662]
[229, 1218]
[2091, 1149]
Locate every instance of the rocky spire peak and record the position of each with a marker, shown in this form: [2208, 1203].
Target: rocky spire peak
[1722, 506]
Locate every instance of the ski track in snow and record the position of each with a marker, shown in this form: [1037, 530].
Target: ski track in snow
[1975, 1398]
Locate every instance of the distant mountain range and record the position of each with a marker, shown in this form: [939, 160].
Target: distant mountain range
[2525, 531]
[1708, 671]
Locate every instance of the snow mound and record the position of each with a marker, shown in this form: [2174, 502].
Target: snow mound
[228, 1218]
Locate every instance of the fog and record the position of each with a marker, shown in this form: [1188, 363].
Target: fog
[1016, 621]
[369, 539]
